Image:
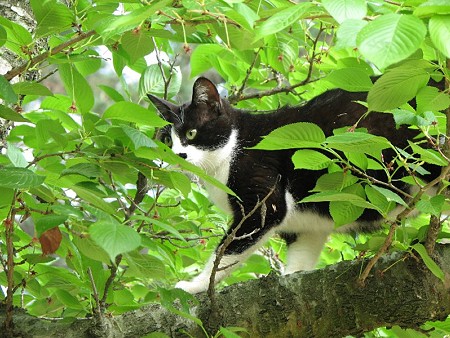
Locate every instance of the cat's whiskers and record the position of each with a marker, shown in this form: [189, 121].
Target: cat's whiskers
[181, 117]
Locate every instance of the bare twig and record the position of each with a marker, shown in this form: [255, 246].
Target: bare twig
[113, 268]
[39, 158]
[41, 57]
[231, 237]
[286, 89]
[402, 215]
[244, 83]
[95, 293]
[141, 192]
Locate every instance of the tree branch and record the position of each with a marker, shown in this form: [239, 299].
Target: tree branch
[435, 222]
[41, 57]
[286, 89]
[322, 303]
[402, 215]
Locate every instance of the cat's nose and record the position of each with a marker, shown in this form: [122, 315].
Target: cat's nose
[183, 155]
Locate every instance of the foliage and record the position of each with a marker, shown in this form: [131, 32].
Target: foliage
[93, 215]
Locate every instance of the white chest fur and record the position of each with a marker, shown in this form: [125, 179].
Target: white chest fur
[215, 163]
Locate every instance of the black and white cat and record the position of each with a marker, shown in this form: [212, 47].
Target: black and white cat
[210, 133]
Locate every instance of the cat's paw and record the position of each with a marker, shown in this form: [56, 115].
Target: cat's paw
[191, 287]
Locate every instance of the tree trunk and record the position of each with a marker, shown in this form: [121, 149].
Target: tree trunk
[323, 303]
[20, 12]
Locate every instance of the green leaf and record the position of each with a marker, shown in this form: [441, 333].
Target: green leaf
[347, 33]
[68, 299]
[77, 87]
[379, 200]
[391, 38]
[89, 170]
[167, 227]
[3, 36]
[335, 181]
[31, 88]
[180, 182]
[48, 222]
[428, 155]
[19, 178]
[403, 116]
[439, 27]
[396, 87]
[229, 332]
[88, 62]
[57, 102]
[296, 135]
[342, 10]
[152, 81]
[358, 142]
[431, 205]
[51, 16]
[138, 138]
[11, 115]
[118, 24]
[37, 258]
[344, 212]
[434, 268]
[16, 156]
[144, 265]
[359, 160]
[207, 55]
[432, 7]
[6, 197]
[350, 79]
[282, 19]
[333, 196]
[281, 52]
[430, 99]
[91, 249]
[17, 37]
[114, 238]
[137, 44]
[112, 93]
[310, 159]
[164, 153]
[48, 131]
[390, 195]
[90, 197]
[242, 14]
[132, 112]
[6, 91]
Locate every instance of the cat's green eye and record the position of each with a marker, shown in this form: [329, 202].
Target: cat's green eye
[191, 133]
[167, 141]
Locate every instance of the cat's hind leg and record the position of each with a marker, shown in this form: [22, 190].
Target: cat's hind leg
[303, 250]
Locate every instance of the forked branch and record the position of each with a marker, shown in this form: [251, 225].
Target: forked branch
[402, 215]
[232, 236]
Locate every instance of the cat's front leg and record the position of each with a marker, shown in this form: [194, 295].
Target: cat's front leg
[201, 282]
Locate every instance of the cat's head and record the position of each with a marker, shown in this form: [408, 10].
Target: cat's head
[200, 130]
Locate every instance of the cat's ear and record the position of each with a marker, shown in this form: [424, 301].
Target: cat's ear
[166, 109]
[205, 91]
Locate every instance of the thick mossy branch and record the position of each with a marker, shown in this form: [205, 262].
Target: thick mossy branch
[323, 303]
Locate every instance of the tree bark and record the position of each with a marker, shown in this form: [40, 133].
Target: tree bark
[322, 303]
[20, 12]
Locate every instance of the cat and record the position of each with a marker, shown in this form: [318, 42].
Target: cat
[212, 134]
